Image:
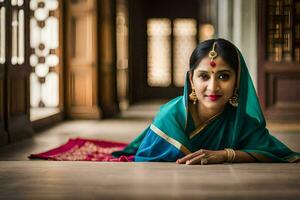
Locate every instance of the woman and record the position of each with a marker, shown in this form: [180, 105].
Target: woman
[218, 119]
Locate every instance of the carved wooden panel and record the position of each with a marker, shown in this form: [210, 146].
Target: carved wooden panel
[283, 95]
[122, 48]
[18, 99]
[82, 39]
[79, 82]
[81, 61]
[82, 4]
[3, 132]
[18, 121]
[1, 101]
[107, 58]
[17, 68]
[278, 67]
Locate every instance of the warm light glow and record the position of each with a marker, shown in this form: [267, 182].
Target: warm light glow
[20, 2]
[52, 60]
[50, 33]
[159, 52]
[21, 43]
[206, 32]
[33, 4]
[34, 60]
[41, 14]
[52, 4]
[122, 54]
[14, 32]
[44, 38]
[13, 2]
[41, 70]
[34, 90]
[2, 35]
[34, 33]
[185, 31]
[42, 52]
[50, 90]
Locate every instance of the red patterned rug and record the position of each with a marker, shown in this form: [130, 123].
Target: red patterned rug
[80, 149]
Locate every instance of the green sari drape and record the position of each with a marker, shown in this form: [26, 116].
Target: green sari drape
[242, 128]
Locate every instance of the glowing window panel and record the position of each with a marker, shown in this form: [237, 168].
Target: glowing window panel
[50, 37]
[159, 52]
[21, 43]
[49, 92]
[44, 41]
[20, 2]
[2, 35]
[34, 33]
[14, 2]
[34, 90]
[33, 4]
[122, 53]
[185, 31]
[14, 31]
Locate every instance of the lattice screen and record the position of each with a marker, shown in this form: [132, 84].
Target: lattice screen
[18, 45]
[283, 31]
[2, 32]
[44, 42]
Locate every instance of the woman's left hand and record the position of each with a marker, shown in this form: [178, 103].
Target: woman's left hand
[203, 157]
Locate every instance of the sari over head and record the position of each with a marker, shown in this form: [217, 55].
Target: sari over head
[173, 134]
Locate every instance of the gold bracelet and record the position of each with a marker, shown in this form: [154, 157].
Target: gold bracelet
[230, 155]
[234, 155]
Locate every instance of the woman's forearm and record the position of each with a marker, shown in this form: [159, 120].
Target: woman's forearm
[243, 157]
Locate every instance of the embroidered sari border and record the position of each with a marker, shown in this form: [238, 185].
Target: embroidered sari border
[293, 158]
[196, 131]
[201, 127]
[170, 140]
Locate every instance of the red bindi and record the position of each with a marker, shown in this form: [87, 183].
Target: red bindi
[212, 63]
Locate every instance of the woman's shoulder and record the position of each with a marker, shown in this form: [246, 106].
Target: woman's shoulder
[253, 124]
[171, 103]
[171, 109]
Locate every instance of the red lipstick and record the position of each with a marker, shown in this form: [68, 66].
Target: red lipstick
[213, 97]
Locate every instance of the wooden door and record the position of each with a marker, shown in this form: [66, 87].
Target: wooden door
[16, 91]
[156, 50]
[81, 62]
[107, 58]
[279, 59]
[3, 35]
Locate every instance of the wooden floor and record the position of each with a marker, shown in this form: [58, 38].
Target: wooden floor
[21, 178]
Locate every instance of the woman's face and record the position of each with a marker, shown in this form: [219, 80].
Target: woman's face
[213, 85]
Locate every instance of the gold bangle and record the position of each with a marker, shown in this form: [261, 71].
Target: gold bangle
[234, 155]
[230, 155]
[227, 152]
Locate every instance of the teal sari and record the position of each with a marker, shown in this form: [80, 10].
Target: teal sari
[173, 134]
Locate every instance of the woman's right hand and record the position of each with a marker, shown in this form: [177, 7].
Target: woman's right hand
[203, 157]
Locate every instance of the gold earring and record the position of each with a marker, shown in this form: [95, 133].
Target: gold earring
[193, 96]
[234, 100]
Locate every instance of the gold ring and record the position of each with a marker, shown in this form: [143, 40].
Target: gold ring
[203, 161]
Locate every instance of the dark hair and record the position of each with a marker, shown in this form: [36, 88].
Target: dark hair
[224, 49]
